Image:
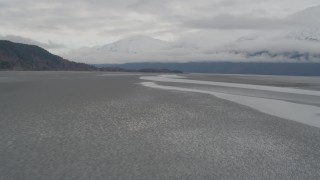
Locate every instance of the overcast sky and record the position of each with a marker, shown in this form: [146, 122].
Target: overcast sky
[62, 25]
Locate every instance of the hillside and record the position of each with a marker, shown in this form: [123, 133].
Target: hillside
[16, 56]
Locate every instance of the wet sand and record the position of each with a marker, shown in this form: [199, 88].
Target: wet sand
[94, 125]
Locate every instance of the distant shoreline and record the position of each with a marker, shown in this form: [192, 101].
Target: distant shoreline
[248, 68]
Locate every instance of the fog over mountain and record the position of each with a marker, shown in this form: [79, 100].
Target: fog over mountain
[115, 31]
[295, 38]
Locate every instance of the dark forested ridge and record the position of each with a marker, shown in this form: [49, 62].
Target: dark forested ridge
[16, 56]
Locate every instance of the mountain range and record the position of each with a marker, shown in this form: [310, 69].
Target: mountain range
[17, 56]
[295, 38]
[290, 48]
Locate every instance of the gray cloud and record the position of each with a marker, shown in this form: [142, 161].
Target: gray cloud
[97, 15]
[236, 22]
[306, 18]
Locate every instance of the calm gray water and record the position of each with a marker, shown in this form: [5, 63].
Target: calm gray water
[87, 125]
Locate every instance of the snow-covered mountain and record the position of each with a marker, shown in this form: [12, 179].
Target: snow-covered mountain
[292, 46]
[303, 25]
[132, 49]
[297, 40]
[128, 49]
[135, 45]
[309, 34]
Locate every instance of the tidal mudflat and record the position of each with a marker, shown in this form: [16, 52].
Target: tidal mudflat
[95, 125]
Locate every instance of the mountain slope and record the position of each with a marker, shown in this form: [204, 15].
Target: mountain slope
[297, 41]
[130, 49]
[309, 34]
[135, 45]
[16, 56]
